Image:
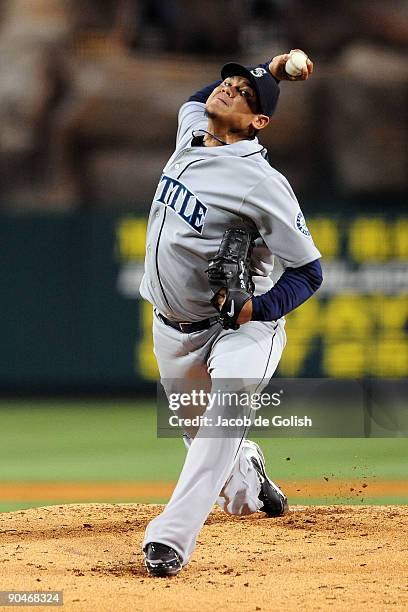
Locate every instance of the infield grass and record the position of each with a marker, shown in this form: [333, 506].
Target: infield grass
[115, 440]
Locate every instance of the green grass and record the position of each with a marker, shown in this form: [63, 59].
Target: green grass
[383, 458]
[57, 440]
[61, 440]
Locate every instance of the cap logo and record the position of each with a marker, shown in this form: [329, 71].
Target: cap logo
[258, 72]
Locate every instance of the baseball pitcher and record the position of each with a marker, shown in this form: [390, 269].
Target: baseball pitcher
[219, 217]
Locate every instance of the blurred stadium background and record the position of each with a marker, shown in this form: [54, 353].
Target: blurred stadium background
[89, 92]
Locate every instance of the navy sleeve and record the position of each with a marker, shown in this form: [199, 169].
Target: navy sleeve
[293, 288]
[204, 94]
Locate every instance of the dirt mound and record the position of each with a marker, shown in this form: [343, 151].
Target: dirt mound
[315, 558]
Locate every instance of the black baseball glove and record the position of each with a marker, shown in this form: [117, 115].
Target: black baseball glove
[229, 276]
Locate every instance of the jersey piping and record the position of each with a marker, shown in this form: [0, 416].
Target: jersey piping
[195, 161]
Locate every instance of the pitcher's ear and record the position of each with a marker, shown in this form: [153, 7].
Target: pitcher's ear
[260, 122]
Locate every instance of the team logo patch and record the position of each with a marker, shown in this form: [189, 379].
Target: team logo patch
[301, 225]
[258, 72]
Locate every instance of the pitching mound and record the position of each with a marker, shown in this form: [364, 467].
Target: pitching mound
[315, 558]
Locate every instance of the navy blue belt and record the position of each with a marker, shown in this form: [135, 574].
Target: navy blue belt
[189, 328]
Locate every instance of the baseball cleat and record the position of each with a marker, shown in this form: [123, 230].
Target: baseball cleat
[275, 502]
[161, 560]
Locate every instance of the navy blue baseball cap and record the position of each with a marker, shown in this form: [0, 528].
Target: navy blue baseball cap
[266, 88]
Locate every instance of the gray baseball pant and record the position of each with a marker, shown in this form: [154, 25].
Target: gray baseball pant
[214, 468]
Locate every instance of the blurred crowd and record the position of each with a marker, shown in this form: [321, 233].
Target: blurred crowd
[89, 92]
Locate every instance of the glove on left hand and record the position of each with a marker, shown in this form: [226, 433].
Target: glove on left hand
[229, 276]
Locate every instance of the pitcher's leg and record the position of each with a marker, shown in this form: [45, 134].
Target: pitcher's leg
[242, 493]
[180, 357]
[208, 464]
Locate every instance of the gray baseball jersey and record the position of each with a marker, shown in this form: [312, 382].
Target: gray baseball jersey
[203, 191]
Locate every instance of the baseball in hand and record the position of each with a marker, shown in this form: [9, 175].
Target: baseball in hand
[296, 63]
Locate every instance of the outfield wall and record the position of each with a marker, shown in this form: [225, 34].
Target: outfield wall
[72, 318]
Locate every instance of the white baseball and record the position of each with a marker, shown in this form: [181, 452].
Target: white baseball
[296, 63]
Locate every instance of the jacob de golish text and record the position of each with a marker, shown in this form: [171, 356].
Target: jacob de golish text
[258, 421]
